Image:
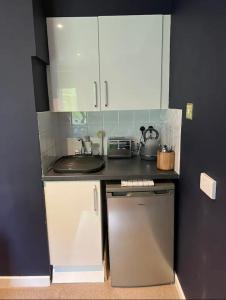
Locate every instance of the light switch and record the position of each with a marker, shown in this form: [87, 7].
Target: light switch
[189, 111]
[208, 185]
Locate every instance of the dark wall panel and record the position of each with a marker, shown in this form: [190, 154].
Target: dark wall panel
[23, 235]
[40, 85]
[40, 30]
[198, 74]
[72, 8]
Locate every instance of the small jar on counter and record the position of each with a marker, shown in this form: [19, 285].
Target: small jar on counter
[165, 158]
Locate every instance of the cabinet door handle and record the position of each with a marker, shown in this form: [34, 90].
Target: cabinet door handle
[106, 93]
[96, 94]
[95, 199]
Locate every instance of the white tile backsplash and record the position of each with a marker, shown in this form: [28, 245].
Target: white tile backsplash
[171, 132]
[56, 128]
[50, 146]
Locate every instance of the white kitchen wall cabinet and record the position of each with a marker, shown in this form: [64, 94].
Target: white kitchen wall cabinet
[130, 62]
[74, 64]
[109, 63]
[74, 224]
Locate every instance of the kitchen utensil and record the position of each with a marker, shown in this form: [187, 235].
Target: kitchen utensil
[101, 135]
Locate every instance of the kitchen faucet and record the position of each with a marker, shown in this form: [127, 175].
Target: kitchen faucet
[85, 147]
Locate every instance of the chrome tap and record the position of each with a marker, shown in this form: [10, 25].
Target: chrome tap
[85, 147]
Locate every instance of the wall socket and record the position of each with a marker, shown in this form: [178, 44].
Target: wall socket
[208, 185]
[189, 111]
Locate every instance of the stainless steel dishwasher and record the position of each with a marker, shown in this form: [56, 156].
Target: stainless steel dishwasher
[141, 234]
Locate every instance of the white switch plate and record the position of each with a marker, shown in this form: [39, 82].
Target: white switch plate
[208, 185]
[189, 111]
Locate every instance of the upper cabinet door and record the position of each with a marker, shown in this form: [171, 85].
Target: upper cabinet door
[74, 64]
[130, 62]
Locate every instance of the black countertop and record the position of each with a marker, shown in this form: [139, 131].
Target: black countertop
[117, 169]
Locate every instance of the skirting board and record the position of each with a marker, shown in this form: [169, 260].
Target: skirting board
[24, 281]
[70, 276]
[179, 288]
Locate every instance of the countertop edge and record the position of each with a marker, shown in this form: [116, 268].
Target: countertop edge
[77, 177]
[117, 169]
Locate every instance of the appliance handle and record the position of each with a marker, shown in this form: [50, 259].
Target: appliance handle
[156, 133]
[138, 194]
[96, 94]
[117, 188]
[151, 130]
[106, 93]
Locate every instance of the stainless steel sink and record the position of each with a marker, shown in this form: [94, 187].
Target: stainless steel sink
[78, 164]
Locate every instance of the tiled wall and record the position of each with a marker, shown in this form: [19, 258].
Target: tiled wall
[55, 128]
[128, 123]
[171, 133]
[114, 123]
[50, 146]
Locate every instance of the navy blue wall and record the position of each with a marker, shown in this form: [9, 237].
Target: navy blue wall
[40, 30]
[72, 8]
[23, 235]
[40, 84]
[198, 75]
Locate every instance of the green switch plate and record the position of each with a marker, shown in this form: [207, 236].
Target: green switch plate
[189, 111]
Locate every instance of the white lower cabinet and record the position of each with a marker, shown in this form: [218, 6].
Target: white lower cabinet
[74, 225]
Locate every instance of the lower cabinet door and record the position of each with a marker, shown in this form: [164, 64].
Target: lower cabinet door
[73, 211]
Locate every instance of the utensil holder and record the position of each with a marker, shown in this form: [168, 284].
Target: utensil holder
[165, 160]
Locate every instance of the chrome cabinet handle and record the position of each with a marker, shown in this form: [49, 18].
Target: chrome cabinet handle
[96, 94]
[95, 199]
[106, 93]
